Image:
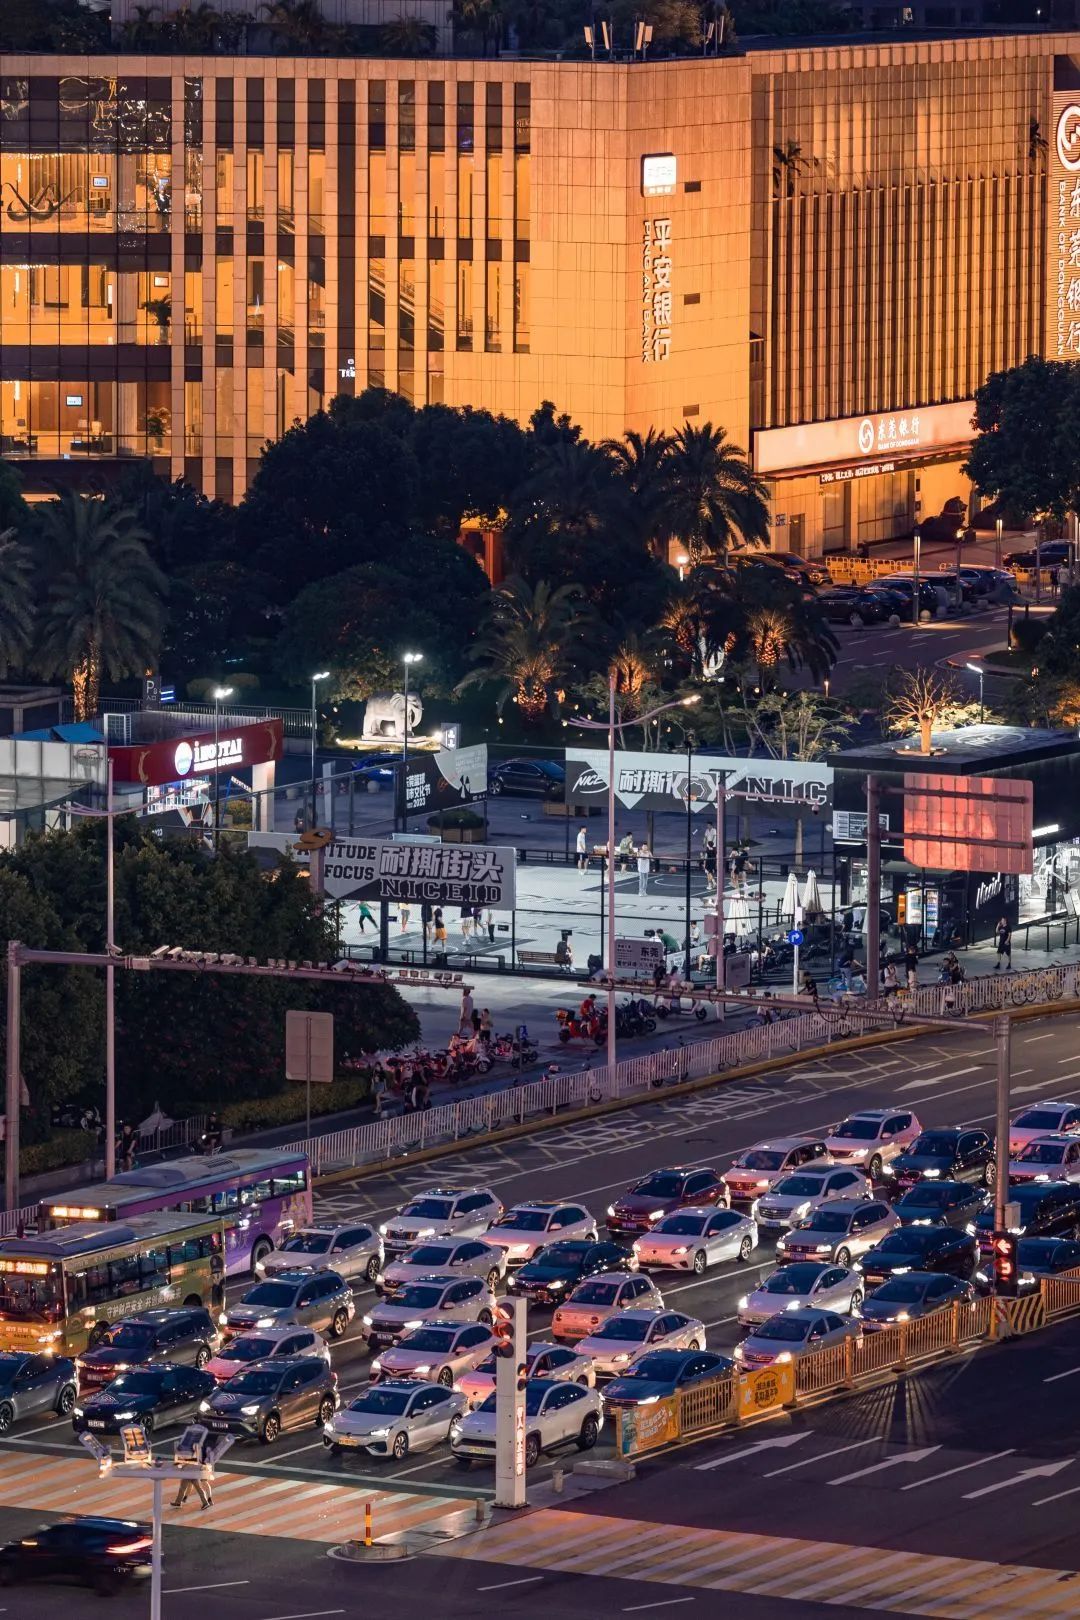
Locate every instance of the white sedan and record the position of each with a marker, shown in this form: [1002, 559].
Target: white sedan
[556, 1362]
[527, 1228]
[556, 1415]
[795, 1197]
[440, 1353]
[355, 1252]
[436, 1299]
[694, 1239]
[1053, 1157]
[457, 1257]
[627, 1334]
[265, 1344]
[807, 1282]
[594, 1300]
[390, 1420]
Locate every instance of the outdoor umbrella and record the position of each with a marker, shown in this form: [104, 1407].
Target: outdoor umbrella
[791, 898]
[737, 916]
[811, 900]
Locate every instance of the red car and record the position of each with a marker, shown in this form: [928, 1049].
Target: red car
[661, 1192]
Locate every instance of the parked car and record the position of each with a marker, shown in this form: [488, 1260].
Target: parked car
[552, 1274]
[953, 1153]
[798, 1195]
[271, 1397]
[151, 1396]
[439, 1353]
[1052, 553]
[627, 1334]
[808, 1282]
[542, 1360]
[803, 570]
[911, 1296]
[317, 1299]
[435, 1299]
[846, 604]
[904, 585]
[695, 1239]
[353, 1250]
[597, 1298]
[762, 1166]
[184, 1334]
[31, 1383]
[524, 1230]
[557, 1415]
[661, 1192]
[838, 1231]
[795, 1334]
[538, 778]
[873, 1137]
[439, 1212]
[266, 1344]
[659, 1373]
[944, 1203]
[1054, 1157]
[448, 1257]
[1042, 1119]
[1047, 1209]
[393, 1419]
[1037, 1258]
[107, 1554]
[920, 1248]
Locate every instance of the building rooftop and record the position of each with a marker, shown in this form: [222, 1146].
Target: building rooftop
[970, 749]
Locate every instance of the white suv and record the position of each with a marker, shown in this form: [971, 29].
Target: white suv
[438, 1213]
[838, 1230]
[528, 1228]
[556, 1414]
[796, 1196]
[432, 1299]
[443, 1257]
[873, 1137]
[763, 1165]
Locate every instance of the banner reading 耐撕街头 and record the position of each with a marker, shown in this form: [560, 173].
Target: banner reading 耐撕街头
[660, 781]
[444, 874]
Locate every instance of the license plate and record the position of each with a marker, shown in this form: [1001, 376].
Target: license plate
[95, 1423]
[217, 1423]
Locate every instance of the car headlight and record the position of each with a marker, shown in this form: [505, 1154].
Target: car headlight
[378, 1434]
[265, 1321]
[77, 1411]
[803, 1209]
[455, 1425]
[367, 1321]
[785, 1355]
[739, 1353]
[650, 1400]
[763, 1184]
[1042, 1178]
[931, 1175]
[823, 1248]
[122, 1366]
[656, 1214]
[970, 1229]
[425, 1367]
[793, 1305]
[623, 1355]
[250, 1411]
[611, 1209]
[744, 1302]
[887, 1170]
[223, 1319]
[554, 1287]
[427, 1231]
[520, 1248]
[123, 1417]
[682, 1249]
[410, 1327]
[383, 1231]
[900, 1271]
[376, 1365]
[859, 1153]
[204, 1406]
[903, 1316]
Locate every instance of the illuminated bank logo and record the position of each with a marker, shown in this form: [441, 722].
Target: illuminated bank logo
[184, 758]
[866, 435]
[1068, 138]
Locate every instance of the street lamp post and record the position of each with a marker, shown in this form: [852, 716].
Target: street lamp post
[915, 615]
[408, 660]
[977, 669]
[959, 587]
[220, 694]
[320, 675]
[997, 542]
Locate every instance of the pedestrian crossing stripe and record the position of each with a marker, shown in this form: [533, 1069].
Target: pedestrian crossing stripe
[244, 1504]
[773, 1566]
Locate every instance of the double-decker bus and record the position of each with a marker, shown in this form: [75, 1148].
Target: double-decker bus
[60, 1290]
[261, 1194]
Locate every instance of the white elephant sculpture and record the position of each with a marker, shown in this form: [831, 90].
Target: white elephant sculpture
[384, 714]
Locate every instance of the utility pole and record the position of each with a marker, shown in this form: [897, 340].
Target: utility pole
[110, 975]
[612, 1045]
[873, 888]
[13, 1077]
[510, 1409]
[1003, 1044]
[721, 790]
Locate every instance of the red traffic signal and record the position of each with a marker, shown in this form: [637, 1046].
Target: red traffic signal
[502, 1326]
[1005, 1278]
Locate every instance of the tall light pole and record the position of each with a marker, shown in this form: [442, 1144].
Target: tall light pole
[220, 694]
[408, 660]
[110, 972]
[915, 615]
[977, 669]
[959, 587]
[609, 727]
[997, 542]
[321, 675]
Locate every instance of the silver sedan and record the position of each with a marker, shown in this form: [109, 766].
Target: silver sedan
[807, 1282]
[796, 1196]
[695, 1239]
[464, 1257]
[390, 1420]
[791, 1335]
[552, 1361]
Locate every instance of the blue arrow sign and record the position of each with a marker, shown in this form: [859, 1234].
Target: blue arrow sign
[795, 936]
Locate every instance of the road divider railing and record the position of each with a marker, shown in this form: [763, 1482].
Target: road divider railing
[744, 1394]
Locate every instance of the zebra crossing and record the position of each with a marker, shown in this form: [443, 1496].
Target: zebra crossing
[777, 1566]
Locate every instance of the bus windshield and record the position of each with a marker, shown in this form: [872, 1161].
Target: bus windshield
[30, 1297]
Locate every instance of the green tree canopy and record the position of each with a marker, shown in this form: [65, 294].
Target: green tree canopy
[1027, 449]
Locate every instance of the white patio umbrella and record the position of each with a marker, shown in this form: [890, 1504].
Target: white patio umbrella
[155, 1122]
[736, 916]
[790, 901]
[811, 900]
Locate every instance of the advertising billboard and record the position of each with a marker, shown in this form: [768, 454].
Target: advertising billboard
[445, 779]
[664, 781]
[856, 441]
[443, 874]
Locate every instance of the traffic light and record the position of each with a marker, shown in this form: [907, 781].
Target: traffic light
[503, 1328]
[522, 1376]
[1004, 1263]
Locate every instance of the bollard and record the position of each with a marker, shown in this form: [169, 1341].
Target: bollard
[557, 1477]
[479, 1510]
[367, 1524]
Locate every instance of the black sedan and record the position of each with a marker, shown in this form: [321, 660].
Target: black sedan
[954, 1154]
[1050, 1209]
[662, 1372]
[539, 778]
[152, 1396]
[34, 1383]
[941, 1203]
[1037, 1258]
[1052, 554]
[909, 1297]
[557, 1270]
[919, 1248]
[850, 605]
[103, 1553]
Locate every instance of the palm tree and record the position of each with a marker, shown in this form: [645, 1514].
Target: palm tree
[299, 25]
[101, 609]
[407, 36]
[573, 492]
[717, 503]
[525, 646]
[16, 602]
[644, 464]
[788, 164]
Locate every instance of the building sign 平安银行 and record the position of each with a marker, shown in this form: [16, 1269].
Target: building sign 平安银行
[444, 874]
[1063, 231]
[656, 307]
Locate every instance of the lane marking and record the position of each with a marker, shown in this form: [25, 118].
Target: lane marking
[215, 1586]
[1069, 1372]
[500, 1586]
[963, 1468]
[1056, 1497]
[889, 1462]
[665, 1603]
[823, 1456]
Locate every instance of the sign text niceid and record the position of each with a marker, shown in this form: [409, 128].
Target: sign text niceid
[443, 874]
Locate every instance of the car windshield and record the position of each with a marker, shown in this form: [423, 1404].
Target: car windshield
[308, 1243]
[1038, 1119]
[683, 1225]
[526, 1220]
[534, 1395]
[596, 1293]
[563, 1254]
[384, 1402]
[1047, 1251]
[935, 1144]
[420, 1296]
[902, 1290]
[1043, 1153]
[136, 1383]
[430, 1339]
[431, 1254]
[259, 1381]
[624, 1327]
[30, 1297]
[859, 1130]
[761, 1159]
[130, 1336]
[831, 1220]
[9, 1366]
[906, 1240]
[928, 1195]
[430, 1209]
[661, 1184]
[783, 1327]
[792, 1280]
[245, 1349]
[799, 1186]
[663, 1365]
[270, 1293]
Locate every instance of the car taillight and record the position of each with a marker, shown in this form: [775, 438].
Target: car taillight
[131, 1546]
[333, 1379]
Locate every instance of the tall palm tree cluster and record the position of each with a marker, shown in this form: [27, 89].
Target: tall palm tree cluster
[591, 593]
[80, 597]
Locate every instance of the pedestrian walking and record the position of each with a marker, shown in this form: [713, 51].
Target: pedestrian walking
[474, 1030]
[644, 867]
[425, 920]
[1003, 944]
[365, 915]
[378, 1089]
[625, 851]
[184, 1490]
[465, 923]
[582, 847]
[126, 1146]
[403, 915]
[440, 926]
[890, 984]
[465, 1013]
[299, 821]
[485, 1026]
[490, 921]
[911, 967]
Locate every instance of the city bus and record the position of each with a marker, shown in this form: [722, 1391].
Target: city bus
[59, 1291]
[261, 1194]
